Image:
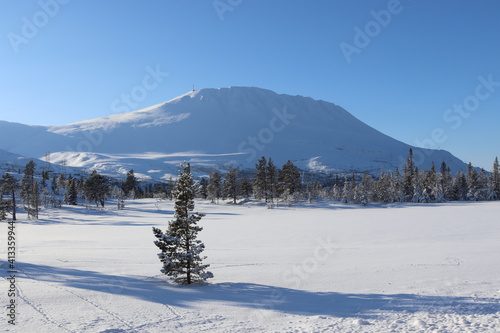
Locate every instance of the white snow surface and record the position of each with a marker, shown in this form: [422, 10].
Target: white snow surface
[219, 128]
[320, 267]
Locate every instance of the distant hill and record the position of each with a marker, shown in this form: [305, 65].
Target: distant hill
[220, 128]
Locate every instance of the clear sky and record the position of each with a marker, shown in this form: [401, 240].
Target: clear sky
[422, 71]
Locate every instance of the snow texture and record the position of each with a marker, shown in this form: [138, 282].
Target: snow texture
[312, 268]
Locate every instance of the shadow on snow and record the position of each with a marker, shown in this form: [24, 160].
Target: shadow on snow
[256, 296]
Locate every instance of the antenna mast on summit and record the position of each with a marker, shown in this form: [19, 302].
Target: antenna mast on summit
[193, 87]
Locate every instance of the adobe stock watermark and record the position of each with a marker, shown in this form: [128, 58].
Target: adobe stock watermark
[223, 6]
[294, 277]
[455, 116]
[265, 136]
[12, 245]
[150, 81]
[373, 28]
[31, 25]
[125, 103]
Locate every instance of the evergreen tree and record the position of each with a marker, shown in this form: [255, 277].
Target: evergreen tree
[429, 183]
[54, 186]
[495, 179]
[62, 181]
[180, 248]
[202, 189]
[72, 193]
[30, 192]
[360, 195]
[159, 191]
[80, 185]
[409, 178]
[472, 183]
[170, 188]
[490, 190]
[9, 186]
[4, 207]
[460, 187]
[346, 191]
[120, 196]
[245, 188]
[214, 189]
[337, 192]
[67, 184]
[417, 187]
[314, 191]
[446, 181]
[96, 188]
[482, 184]
[271, 180]
[130, 184]
[4, 204]
[260, 180]
[45, 178]
[383, 191]
[289, 178]
[397, 186]
[361, 192]
[231, 184]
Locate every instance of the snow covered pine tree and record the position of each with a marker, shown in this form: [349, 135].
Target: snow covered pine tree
[180, 250]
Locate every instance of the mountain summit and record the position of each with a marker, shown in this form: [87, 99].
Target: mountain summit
[222, 127]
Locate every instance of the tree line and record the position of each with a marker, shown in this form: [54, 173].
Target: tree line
[286, 185]
[267, 183]
[31, 191]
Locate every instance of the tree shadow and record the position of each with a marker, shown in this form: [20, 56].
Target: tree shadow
[92, 216]
[95, 216]
[257, 296]
[337, 205]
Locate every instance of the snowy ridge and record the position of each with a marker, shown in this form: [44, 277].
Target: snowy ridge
[10, 160]
[221, 128]
[14, 163]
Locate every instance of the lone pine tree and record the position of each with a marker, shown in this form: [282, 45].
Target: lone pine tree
[180, 248]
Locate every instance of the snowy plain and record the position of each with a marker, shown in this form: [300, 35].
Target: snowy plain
[321, 267]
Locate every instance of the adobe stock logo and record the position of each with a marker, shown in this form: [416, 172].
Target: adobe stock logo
[265, 136]
[454, 117]
[31, 27]
[372, 29]
[125, 103]
[150, 81]
[223, 6]
[294, 277]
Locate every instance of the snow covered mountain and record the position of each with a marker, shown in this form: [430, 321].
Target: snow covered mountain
[10, 162]
[220, 128]
[14, 164]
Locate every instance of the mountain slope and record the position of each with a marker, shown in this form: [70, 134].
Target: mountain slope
[14, 164]
[228, 126]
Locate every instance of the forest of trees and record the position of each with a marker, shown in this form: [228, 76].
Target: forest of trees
[28, 191]
[286, 185]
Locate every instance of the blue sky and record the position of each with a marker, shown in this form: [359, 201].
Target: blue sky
[424, 72]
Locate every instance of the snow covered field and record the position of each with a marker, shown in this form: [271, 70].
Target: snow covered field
[314, 268]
